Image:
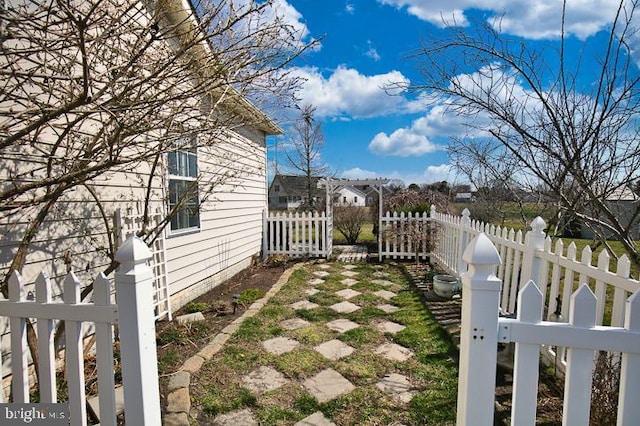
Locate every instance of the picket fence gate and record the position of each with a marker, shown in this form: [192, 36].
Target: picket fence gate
[134, 313]
[405, 236]
[297, 234]
[482, 328]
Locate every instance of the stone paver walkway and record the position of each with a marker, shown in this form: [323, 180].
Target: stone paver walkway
[353, 254]
[328, 384]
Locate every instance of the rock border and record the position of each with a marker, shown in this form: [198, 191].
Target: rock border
[179, 400]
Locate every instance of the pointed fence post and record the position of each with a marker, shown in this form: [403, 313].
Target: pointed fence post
[628, 407]
[479, 334]
[526, 360]
[577, 393]
[463, 239]
[136, 322]
[534, 243]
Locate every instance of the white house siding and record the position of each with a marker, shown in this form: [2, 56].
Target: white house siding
[230, 234]
[351, 196]
[230, 230]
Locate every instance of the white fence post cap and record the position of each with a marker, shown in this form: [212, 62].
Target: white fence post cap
[538, 224]
[133, 250]
[481, 251]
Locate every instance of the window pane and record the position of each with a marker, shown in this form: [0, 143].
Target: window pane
[193, 165]
[188, 214]
[172, 160]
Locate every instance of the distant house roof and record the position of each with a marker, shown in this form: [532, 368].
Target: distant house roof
[296, 184]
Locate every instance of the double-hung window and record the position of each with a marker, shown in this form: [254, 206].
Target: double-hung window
[183, 189]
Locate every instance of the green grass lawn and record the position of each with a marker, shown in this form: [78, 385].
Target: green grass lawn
[432, 370]
[366, 235]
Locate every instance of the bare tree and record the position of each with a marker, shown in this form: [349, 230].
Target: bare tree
[579, 141]
[500, 184]
[303, 153]
[348, 219]
[94, 88]
[97, 87]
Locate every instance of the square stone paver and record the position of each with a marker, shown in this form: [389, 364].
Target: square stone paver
[316, 419]
[327, 385]
[385, 294]
[348, 293]
[349, 266]
[390, 327]
[380, 274]
[279, 345]
[321, 274]
[397, 386]
[324, 266]
[264, 379]
[242, 417]
[384, 283]
[393, 352]
[345, 307]
[349, 282]
[387, 308]
[334, 349]
[349, 274]
[312, 291]
[294, 323]
[341, 325]
[316, 281]
[304, 304]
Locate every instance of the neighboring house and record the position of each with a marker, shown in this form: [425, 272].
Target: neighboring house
[463, 194]
[624, 203]
[289, 192]
[217, 233]
[352, 196]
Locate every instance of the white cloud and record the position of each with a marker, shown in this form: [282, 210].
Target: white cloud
[419, 137]
[346, 93]
[349, 8]
[372, 52]
[358, 173]
[439, 173]
[533, 19]
[402, 142]
[283, 13]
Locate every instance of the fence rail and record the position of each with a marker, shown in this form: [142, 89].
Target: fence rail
[482, 328]
[297, 234]
[134, 311]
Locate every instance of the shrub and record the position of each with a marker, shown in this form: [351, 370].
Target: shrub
[349, 219]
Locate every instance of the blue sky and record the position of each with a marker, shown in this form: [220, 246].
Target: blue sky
[368, 43]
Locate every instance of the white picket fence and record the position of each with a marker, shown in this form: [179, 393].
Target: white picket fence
[482, 329]
[297, 234]
[534, 256]
[134, 313]
[405, 236]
